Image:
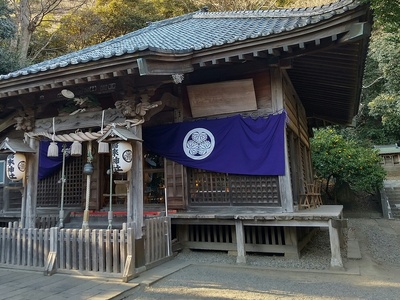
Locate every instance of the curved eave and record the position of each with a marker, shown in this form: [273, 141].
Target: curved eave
[81, 73]
[281, 45]
[325, 63]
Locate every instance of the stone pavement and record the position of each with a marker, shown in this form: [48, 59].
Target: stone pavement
[22, 285]
[18, 284]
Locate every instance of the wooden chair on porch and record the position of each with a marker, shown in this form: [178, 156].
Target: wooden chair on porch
[312, 196]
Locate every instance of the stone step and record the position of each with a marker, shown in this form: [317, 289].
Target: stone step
[393, 197]
[393, 193]
[353, 249]
[394, 202]
[395, 213]
[390, 191]
[95, 222]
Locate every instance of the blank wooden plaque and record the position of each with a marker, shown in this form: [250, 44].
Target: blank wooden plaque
[222, 97]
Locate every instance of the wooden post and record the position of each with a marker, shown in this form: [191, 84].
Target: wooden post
[129, 269]
[285, 186]
[336, 259]
[240, 242]
[135, 189]
[51, 263]
[291, 240]
[30, 189]
[22, 222]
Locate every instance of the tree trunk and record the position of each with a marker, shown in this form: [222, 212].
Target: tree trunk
[24, 30]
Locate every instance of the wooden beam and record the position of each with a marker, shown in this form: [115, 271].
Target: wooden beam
[153, 67]
[33, 89]
[79, 81]
[81, 120]
[287, 49]
[8, 121]
[274, 52]
[260, 54]
[357, 31]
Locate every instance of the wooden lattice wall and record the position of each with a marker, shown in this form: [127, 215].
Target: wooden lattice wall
[49, 189]
[210, 188]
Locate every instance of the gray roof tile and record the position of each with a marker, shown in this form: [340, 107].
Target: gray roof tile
[194, 32]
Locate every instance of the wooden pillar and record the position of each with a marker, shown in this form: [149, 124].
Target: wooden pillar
[291, 240]
[6, 197]
[135, 191]
[285, 186]
[31, 183]
[336, 259]
[240, 242]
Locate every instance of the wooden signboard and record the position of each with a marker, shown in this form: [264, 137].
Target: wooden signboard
[222, 97]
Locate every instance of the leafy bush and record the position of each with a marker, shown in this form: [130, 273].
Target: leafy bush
[335, 157]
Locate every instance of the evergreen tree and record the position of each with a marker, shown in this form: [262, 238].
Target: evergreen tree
[8, 60]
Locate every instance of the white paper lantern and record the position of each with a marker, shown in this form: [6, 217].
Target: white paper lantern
[122, 156]
[16, 164]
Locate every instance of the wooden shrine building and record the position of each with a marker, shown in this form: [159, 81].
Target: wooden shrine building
[252, 82]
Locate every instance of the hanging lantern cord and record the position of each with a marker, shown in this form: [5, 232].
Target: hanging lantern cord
[63, 180]
[110, 213]
[103, 147]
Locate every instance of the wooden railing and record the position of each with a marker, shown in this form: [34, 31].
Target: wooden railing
[100, 252]
[26, 248]
[157, 239]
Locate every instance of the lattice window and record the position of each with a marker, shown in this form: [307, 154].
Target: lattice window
[208, 187]
[211, 188]
[49, 189]
[254, 190]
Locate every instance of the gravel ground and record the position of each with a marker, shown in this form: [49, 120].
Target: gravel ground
[215, 275]
[379, 238]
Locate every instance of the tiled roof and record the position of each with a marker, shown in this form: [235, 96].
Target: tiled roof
[387, 149]
[194, 32]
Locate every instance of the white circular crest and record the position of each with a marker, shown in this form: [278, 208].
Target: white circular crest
[198, 143]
